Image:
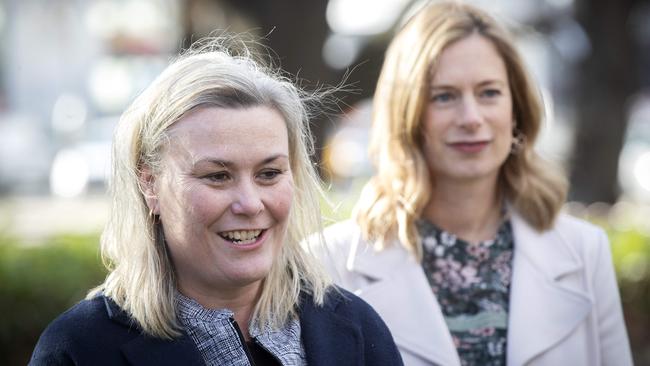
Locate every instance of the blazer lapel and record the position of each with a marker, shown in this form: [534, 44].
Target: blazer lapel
[317, 321]
[147, 350]
[401, 295]
[546, 298]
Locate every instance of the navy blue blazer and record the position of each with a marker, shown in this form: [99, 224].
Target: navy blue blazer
[344, 331]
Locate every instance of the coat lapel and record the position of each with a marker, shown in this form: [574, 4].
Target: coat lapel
[546, 298]
[146, 350]
[401, 294]
[315, 321]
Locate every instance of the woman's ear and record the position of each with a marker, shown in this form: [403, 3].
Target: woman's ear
[148, 187]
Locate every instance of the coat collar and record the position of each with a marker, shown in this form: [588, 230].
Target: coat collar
[314, 321]
[318, 320]
[399, 277]
[546, 298]
[147, 350]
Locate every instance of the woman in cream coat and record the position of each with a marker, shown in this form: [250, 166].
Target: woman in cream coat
[457, 241]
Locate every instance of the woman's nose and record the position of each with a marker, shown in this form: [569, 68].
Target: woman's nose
[470, 114]
[247, 200]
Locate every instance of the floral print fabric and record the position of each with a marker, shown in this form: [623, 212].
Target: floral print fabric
[472, 284]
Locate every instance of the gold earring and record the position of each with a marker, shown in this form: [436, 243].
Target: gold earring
[518, 141]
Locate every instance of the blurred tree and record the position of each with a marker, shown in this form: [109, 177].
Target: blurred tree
[296, 31]
[606, 79]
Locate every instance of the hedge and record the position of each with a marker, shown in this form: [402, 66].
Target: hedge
[38, 282]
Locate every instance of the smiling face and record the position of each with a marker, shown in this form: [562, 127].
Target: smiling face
[467, 124]
[224, 196]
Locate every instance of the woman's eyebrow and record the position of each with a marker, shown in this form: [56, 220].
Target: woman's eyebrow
[272, 158]
[214, 161]
[228, 164]
[492, 81]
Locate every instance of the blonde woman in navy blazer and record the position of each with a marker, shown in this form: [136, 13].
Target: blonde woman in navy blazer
[212, 191]
[457, 240]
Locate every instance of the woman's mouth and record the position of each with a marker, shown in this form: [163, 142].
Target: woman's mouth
[241, 237]
[469, 146]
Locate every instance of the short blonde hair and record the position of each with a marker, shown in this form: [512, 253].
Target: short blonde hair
[397, 194]
[141, 275]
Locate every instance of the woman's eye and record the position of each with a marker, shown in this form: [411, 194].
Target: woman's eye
[444, 97]
[218, 177]
[269, 174]
[490, 93]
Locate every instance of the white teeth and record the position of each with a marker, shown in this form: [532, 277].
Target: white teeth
[241, 236]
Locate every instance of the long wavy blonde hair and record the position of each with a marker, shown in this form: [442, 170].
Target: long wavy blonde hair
[396, 195]
[141, 275]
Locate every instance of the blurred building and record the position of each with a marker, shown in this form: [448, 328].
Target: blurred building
[556, 47]
[68, 69]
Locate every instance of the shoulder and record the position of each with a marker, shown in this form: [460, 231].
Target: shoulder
[357, 312]
[568, 231]
[342, 231]
[347, 323]
[342, 304]
[348, 305]
[84, 328]
[570, 238]
[73, 323]
[571, 224]
[581, 235]
[333, 246]
[340, 236]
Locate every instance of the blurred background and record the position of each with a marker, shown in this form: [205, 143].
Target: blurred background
[69, 67]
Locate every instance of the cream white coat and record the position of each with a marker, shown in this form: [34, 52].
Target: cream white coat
[564, 303]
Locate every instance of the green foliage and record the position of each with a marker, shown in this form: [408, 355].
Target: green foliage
[340, 201]
[37, 283]
[631, 255]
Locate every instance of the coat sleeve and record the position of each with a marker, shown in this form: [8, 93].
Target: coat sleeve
[51, 349]
[345, 331]
[43, 358]
[379, 346]
[612, 335]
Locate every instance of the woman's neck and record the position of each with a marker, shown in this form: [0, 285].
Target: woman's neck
[469, 210]
[241, 301]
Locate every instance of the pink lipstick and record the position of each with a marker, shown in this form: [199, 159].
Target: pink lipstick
[469, 147]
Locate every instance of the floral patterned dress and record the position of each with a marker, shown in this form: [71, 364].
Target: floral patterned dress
[472, 285]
